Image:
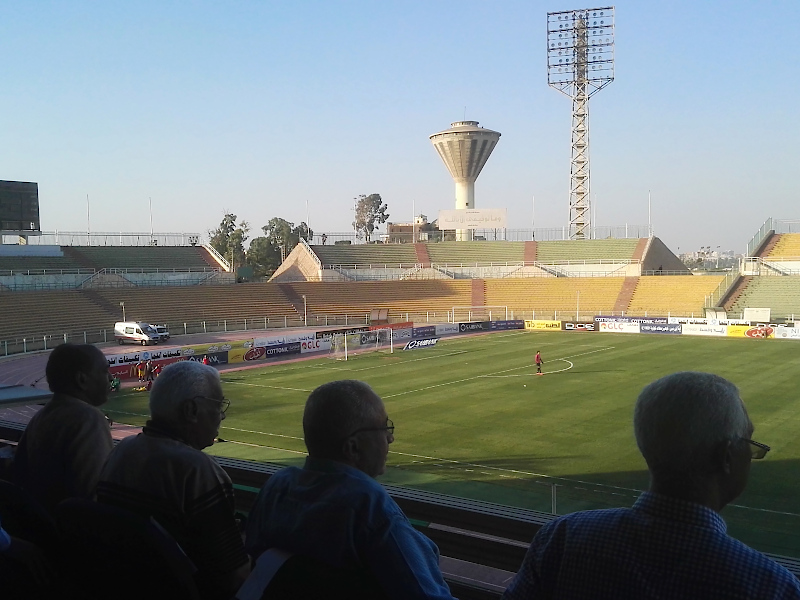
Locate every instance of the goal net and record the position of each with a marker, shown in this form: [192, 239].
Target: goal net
[346, 345]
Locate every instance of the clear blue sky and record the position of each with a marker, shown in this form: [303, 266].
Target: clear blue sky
[257, 107]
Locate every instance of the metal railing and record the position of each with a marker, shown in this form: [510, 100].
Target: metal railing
[112, 238]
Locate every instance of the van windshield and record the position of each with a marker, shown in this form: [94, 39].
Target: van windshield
[148, 329]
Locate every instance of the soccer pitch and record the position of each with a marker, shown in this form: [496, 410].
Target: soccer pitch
[473, 419]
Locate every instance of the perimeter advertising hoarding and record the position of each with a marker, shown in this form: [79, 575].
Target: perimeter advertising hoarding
[264, 352]
[19, 206]
[446, 329]
[613, 319]
[788, 333]
[502, 325]
[473, 327]
[421, 332]
[404, 325]
[618, 327]
[758, 331]
[669, 328]
[331, 332]
[710, 330]
[315, 345]
[702, 321]
[543, 325]
[472, 218]
[417, 344]
[402, 334]
[576, 326]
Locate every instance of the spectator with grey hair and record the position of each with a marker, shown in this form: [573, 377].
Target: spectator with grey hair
[66, 443]
[694, 433]
[334, 512]
[163, 473]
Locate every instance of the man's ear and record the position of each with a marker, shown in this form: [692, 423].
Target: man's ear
[80, 379]
[351, 449]
[722, 457]
[189, 410]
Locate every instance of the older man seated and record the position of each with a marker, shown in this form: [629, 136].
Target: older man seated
[694, 433]
[334, 511]
[163, 473]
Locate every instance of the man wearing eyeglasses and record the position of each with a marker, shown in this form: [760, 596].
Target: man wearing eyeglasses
[332, 510]
[163, 473]
[694, 433]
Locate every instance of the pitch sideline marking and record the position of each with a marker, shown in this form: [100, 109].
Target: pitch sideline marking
[384, 365]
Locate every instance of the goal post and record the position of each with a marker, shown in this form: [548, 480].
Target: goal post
[346, 345]
[384, 340]
[338, 349]
[471, 313]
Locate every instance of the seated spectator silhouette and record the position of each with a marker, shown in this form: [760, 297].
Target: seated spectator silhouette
[332, 510]
[66, 443]
[694, 433]
[162, 473]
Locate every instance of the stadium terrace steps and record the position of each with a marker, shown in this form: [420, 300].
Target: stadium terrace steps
[35, 314]
[456, 253]
[478, 292]
[366, 254]
[625, 294]
[423, 257]
[767, 244]
[546, 294]
[787, 245]
[530, 252]
[681, 295]
[735, 291]
[781, 294]
[39, 263]
[610, 249]
[359, 298]
[142, 257]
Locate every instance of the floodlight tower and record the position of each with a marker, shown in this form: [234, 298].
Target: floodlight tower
[465, 148]
[580, 62]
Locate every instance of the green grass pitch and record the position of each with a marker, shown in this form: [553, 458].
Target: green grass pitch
[473, 419]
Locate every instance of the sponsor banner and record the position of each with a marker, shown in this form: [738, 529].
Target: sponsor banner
[502, 325]
[202, 349]
[474, 326]
[759, 331]
[128, 370]
[315, 345]
[788, 333]
[273, 340]
[670, 328]
[471, 218]
[331, 332]
[700, 321]
[417, 344]
[121, 360]
[697, 329]
[265, 352]
[404, 325]
[613, 319]
[446, 329]
[421, 332]
[618, 327]
[402, 334]
[577, 326]
[215, 358]
[543, 324]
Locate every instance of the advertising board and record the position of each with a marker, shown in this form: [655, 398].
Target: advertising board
[504, 325]
[427, 331]
[614, 319]
[418, 344]
[403, 325]
[315, 345]
[446, 329]
[710, 330]
[618, 327]
[473, 326]
[402, 334]
[577, 326]
[668, 328]
[755, 331]
[537, 324]
[788, 333]
[472, 218]
[330, 332]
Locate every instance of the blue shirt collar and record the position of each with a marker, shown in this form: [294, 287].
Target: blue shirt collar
[666, 507]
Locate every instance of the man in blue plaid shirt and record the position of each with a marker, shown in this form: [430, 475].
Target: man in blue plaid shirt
[694, 433]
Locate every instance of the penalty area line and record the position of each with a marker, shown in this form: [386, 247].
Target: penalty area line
[534, 374]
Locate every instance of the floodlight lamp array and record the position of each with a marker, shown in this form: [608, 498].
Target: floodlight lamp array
[580, 49]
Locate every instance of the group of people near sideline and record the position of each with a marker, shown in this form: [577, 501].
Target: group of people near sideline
[692, 429]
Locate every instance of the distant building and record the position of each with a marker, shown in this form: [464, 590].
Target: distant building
[418, 231]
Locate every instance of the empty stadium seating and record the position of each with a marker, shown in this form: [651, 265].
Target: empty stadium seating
[143, 257]
[611, 249]
[780, 294]
[547, 295]
[456, 253]
[366, 254]
[681, 295]
[787, 246]
[37, 264]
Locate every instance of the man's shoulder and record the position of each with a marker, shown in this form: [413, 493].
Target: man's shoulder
[66, 414]
[173, 454]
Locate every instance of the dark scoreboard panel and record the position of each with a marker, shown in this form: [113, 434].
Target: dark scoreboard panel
[19, 206]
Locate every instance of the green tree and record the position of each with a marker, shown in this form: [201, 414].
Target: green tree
[263, 256]
[228, 239]
[283, 234]
[370, 211]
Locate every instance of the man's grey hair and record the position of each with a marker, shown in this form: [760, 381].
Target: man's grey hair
[335, 410]
[680, 418]
[179, 381]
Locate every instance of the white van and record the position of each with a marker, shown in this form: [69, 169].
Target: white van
[162, 331]
[135, 332]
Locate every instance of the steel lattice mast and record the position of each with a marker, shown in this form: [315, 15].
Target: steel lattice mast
[580, 62]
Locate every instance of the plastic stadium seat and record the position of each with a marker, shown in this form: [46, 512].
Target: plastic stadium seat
[118, 554]
[280, 575]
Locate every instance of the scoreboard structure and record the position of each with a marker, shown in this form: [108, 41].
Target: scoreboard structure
[19, 208]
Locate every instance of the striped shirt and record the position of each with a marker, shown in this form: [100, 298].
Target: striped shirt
[661, 548]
